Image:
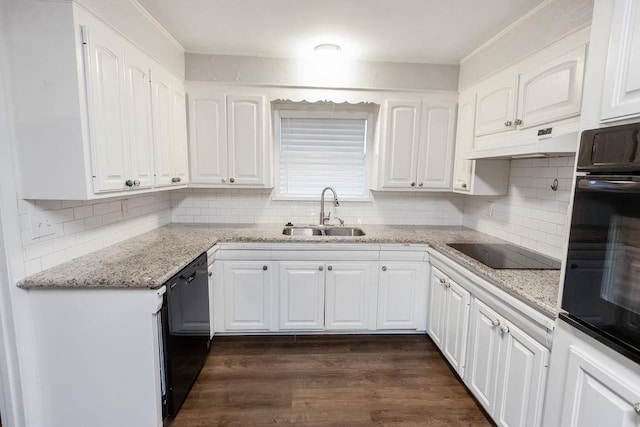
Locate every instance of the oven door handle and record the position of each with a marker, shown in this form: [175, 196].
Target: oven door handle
[609, 185]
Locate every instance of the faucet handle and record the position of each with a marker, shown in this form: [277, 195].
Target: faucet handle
[340, 220]
[328, 217]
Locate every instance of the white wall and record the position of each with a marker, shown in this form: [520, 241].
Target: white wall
[549, 22]
[532, 214]
[83, 227]
[290, 72]
[256, 206]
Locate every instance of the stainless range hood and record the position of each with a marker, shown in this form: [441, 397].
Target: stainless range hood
[529, 143]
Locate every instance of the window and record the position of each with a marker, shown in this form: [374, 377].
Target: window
[322, 145]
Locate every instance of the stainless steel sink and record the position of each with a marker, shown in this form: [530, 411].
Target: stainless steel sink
[323, 231]
[344, 231]
[302, 231]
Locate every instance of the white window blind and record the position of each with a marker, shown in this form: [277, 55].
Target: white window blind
[317, 151]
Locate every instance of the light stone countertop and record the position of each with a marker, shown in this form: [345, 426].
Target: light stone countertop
[152, 258]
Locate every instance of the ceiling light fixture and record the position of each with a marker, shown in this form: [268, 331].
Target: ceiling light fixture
[328, 49]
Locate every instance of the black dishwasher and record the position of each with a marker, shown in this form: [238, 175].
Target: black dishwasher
[185, 332]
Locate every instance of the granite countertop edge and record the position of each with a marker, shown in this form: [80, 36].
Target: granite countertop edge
[150, 259]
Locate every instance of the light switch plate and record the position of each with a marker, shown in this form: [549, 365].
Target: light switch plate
[41, 224]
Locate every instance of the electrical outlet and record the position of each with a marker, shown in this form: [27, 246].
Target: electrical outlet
[41, 224]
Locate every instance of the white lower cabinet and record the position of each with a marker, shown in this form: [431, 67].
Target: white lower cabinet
[507, 368]
[400, 294]
[349, 296]
[301, 296]
[448, 318]
[247, 295]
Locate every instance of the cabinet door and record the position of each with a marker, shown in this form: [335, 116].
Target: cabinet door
[436, 309]
[456, 325]
[621, 95]
[138, 99]
[598, 395]
[401, 139]
[180, 157]
[483, 354]
[247, 295]
[245, 140]
[398, 295]
[495, 105]
[553, 91]
[435, 151]
[522, 372]
[301, 296]
[161, 103]
[348, 293]
[105, 81]
[462, 168]
[208, 138]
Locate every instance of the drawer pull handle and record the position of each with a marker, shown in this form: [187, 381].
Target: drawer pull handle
[265, 268]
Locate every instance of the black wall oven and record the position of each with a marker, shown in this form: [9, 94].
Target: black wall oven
[602, 280]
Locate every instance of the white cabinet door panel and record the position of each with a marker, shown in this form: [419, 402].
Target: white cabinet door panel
[595, 396]
[245, 127]
[138, 99]
[495, 105]
[247, 295]
[162, 109]
[106, 109]
[457, 321]
[483, 354]
[435, 159]
[301, 296]
[553, 91]
[397, 292]
[348, 290]
[436, 311]
[621, 96]
[180, 159]
[521, 382]
[462, 168]
[208, 139]
[401, 136]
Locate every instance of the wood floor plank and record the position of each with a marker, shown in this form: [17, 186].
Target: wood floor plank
[324, 380]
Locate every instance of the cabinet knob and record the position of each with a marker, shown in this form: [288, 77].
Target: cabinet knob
[504, 329]
[518, 122]
[210, 274]
[129, 183]
[442, 280]
[420, 184]
[265, 268]
[176, 179]
[508, 123]
[330, 268]
[232, 180]
[495, 322]
[464, 185]
[136, 183]
[413, 184]
[447, 285]
[320, 268]
[224, 180]
[636, 408]
[384, 268]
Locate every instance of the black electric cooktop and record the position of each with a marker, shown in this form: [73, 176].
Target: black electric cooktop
[506, 256]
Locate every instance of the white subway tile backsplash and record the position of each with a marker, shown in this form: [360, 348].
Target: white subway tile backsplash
[532, 214]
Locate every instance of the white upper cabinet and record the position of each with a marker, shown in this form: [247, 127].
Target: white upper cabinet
[476, 177]
[621, 95]
[228, 138]
[417, 145]
[496, 104]
[100, 127]
[170, 133]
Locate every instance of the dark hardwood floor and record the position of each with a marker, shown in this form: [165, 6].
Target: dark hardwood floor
[328, 380]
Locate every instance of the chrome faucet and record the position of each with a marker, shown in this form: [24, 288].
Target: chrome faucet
[335, 203]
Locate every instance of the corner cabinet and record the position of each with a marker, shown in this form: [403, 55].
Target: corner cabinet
[229, 136]
[417, 145]
[95, 130]
[448, 318]
[621, 95]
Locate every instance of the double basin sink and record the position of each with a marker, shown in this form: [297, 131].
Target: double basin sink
[318, 230]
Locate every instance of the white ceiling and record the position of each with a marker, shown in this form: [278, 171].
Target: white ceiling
[423, 31]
